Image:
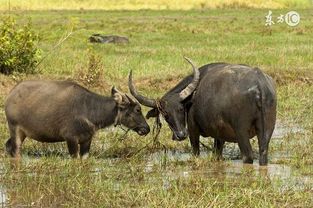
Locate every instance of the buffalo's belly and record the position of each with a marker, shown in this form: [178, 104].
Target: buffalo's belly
[225, 131]
[219, 130]
[41, 135]
[224, 134]
[47, 139]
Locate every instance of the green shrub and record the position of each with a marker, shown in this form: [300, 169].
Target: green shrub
[18, 50]
[91, 76]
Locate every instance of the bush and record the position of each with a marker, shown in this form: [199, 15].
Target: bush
[18, 51]
[93, 74]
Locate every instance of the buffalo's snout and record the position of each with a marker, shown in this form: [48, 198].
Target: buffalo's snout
[144, 130]
[180, 135]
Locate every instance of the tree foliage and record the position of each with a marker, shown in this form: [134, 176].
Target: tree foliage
[18, 47]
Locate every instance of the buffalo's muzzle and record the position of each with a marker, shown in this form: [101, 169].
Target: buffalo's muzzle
[180, 135]
[142, 130]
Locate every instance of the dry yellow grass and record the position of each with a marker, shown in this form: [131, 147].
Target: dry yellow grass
[149, 4]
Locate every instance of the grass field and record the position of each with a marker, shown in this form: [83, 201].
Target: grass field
[134, 172]
[151, 4]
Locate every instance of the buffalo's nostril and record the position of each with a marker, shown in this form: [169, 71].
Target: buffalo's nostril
[144, 130]
[181, 135]
[147, 130]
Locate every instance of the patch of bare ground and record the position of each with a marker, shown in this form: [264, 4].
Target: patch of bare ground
[166, 83]
[290, 76]
[160, 83]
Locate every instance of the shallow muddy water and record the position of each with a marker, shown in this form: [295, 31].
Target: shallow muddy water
[283, 175]
[164, 167]
[3, 196]
[284, 128]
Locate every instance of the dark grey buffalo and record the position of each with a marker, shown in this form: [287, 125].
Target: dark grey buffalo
[231, 103]
[56, 111]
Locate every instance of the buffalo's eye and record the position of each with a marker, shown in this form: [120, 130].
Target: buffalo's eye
[137, 109]
[181, 109]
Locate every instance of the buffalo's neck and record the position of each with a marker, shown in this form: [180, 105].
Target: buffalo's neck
[100, 110]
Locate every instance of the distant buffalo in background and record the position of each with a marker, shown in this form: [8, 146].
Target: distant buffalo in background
[98, 38]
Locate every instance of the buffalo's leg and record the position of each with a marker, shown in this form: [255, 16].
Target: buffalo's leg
[245, 147]
[263, 141]
[10, 147]
[195, 144]
[84, 149]
[72, 146]
[218, 148]
[14, 143]
[10, 144]
[80, 131]
[194, 137]
[263, 151]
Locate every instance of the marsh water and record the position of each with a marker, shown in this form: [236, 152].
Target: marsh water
[232, 167]
[282, 129]
[282, 175]
[2, 197]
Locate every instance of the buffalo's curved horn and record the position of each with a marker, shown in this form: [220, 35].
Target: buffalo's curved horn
[193, 85]
[141, 99]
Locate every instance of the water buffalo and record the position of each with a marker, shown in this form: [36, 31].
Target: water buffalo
[228, 102]
[56, 111]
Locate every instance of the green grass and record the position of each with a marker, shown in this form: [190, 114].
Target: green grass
[151, 4]
[118, 174]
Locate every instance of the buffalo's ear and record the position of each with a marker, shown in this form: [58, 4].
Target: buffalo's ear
[152, 113]
[119, 97]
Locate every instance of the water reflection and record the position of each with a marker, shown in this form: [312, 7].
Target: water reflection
[3, 197]
[281, 176]
[283, 129]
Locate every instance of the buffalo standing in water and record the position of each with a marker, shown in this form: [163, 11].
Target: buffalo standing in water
[231, 103]
[56, 111]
